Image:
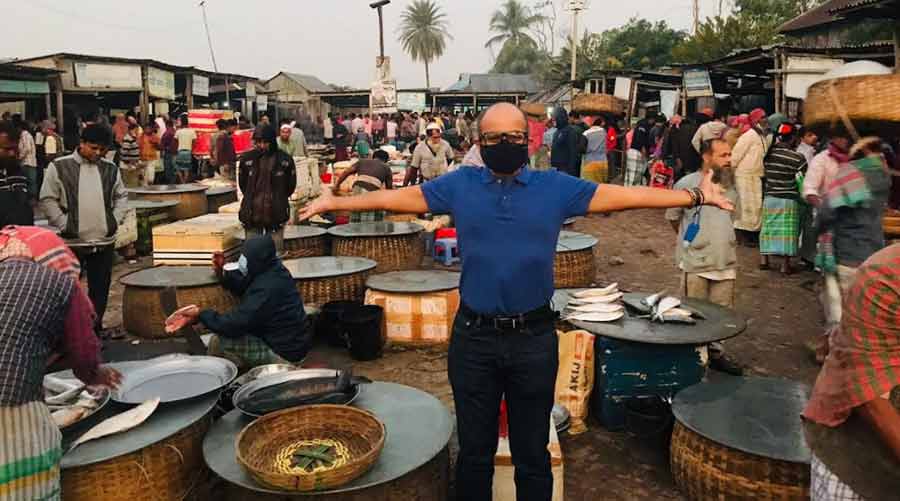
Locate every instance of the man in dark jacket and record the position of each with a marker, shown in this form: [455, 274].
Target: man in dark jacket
[267, 179]
[678, 146]
[268, 324]
[15, 208]
[565, 155]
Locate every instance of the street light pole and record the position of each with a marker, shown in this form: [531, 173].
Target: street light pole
[575, 6]
[379, 6]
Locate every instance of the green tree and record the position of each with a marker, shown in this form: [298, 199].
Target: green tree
[423, 33]
[513, 22]
[520, 58]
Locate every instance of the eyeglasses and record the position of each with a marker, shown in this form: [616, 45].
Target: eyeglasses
[513, 137]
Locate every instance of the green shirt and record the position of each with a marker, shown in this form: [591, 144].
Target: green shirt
[288, 147]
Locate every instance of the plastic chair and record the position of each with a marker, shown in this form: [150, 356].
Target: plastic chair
[446, 251]
[445, 233]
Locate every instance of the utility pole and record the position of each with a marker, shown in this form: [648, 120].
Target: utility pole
[696, 9]
[212, 53]
[379, 6]
[576, 6]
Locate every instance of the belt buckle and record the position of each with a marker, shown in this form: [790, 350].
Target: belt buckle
[509, 323]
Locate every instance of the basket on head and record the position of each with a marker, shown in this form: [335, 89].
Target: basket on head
[598, 103]
[266, 446]
[871, 103]
[536, 110]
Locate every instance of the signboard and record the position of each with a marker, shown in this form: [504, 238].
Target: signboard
[161, 83]
[383, 98]
[697, 83]
[411, 101]
[809, 70]
[262, 103]
[24, 87]
[250, 89]
[668, 102]
[382, 69]
[200, 86]
[108, 76]
[623, 89]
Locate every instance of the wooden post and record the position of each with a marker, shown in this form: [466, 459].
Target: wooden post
[60, 116]
[632, 102]
[475, 100]
[145, 94]
[47, 111]
[189, 90]
[683, 102]
[778, 80]
[433, 103]
[604, 84]
[784, 96]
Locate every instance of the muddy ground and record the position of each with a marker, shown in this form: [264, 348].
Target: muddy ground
[783, 315]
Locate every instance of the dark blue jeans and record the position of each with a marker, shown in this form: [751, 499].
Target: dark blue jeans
[169, 167]
[486, 364]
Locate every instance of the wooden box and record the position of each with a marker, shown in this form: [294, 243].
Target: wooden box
[417, 319]
[504, 471]
[193, 241]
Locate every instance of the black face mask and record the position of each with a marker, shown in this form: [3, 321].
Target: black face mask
[505, 158]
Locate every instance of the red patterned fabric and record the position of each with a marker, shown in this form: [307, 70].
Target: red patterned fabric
[41, 246]
[864, 361]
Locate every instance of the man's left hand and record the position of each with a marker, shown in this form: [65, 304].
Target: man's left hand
[714, 194]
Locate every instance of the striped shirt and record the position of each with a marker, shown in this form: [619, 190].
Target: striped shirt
[131, 150]
[781, 168]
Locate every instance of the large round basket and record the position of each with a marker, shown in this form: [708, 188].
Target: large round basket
[220, 196]
[322, 280]
[536, 110]
[871, 103]
[266, 446]
[303, 241]
[142, 311]
[598, 103]
[707, 471]
[394, 246]
[191, 198]
[574, 265]
[891, 226]
[170, 470]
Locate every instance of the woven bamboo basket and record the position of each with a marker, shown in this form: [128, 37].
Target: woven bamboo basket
[598, 103]
[891, 226]
[429, 482]
[319, 291]
[870, 102]
[276, 435]
[216, 202]
[707, 471]
[296, 248]
[143, 314]
[536, 110]
[392, 253]
[574, 269]
[170, 470]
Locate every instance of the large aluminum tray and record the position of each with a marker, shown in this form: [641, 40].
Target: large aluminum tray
[174, 378]
[298, 375]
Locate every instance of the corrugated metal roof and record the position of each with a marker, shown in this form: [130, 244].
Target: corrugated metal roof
[494, 83]
[816, 18]
[309, 82]
[860, 4]
[127, 60]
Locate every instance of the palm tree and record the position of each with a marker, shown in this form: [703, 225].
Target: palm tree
[423, 33]
[511, 24]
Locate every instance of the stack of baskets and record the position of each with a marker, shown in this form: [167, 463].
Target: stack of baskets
[593, 104]
[266, 446]
[871, 103]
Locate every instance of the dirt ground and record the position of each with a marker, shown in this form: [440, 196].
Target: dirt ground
[783, 315]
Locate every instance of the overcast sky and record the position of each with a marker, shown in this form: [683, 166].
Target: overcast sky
[336, 40]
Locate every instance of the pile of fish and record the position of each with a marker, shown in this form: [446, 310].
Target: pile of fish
[661, 308]
[70, 402]
[596, 305]
[338, 389]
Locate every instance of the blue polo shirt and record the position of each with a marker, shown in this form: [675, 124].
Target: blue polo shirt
[507, 232]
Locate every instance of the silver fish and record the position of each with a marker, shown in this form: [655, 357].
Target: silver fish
[665, 305]
[597, 317]
[605, 291]
[119, 423]
[597, 299]
[653, 299]
[598, 308]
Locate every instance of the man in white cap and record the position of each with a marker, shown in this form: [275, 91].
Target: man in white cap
[431, 157]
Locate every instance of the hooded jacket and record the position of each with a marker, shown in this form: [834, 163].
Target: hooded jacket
[282, 184]
[270, 308]
[564, 154]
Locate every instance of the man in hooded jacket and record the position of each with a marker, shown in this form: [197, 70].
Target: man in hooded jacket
[564, 154]
[268, 324]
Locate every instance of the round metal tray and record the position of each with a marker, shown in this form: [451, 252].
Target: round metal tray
[307, 268]
[382, 229]
[414, 281]
[151, 204]
[104, 394]
[220, 190]
[293, 232]
[77, 243]
[570, 241]
[250, 388]
[168, 188]
[171, 276]
[174, 378]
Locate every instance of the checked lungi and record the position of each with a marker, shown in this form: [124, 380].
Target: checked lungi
[780, 234]
[635, 166]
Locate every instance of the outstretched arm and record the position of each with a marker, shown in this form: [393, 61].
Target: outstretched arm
[406, 200]
[611, 198]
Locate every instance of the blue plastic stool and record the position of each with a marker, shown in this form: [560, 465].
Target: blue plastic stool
[446, 251]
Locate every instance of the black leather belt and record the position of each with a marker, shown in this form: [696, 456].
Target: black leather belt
[509, 322]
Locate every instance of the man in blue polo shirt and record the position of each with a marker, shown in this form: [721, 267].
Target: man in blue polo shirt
[508, 219]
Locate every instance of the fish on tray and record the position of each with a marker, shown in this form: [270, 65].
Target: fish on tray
[605, 291]
[119, 423]
[322, 390]
[609, 298]
[597, 317]
[598, 308]
[666, 304]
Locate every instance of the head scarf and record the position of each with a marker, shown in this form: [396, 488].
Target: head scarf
[743, 121]
[41, 246]
[733, 121]
[756, 116]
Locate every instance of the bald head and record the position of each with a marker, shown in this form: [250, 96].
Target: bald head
[503, 117]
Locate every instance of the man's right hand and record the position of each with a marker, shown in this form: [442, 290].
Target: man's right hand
[813, 200]
[109, 377]
[324, 203]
